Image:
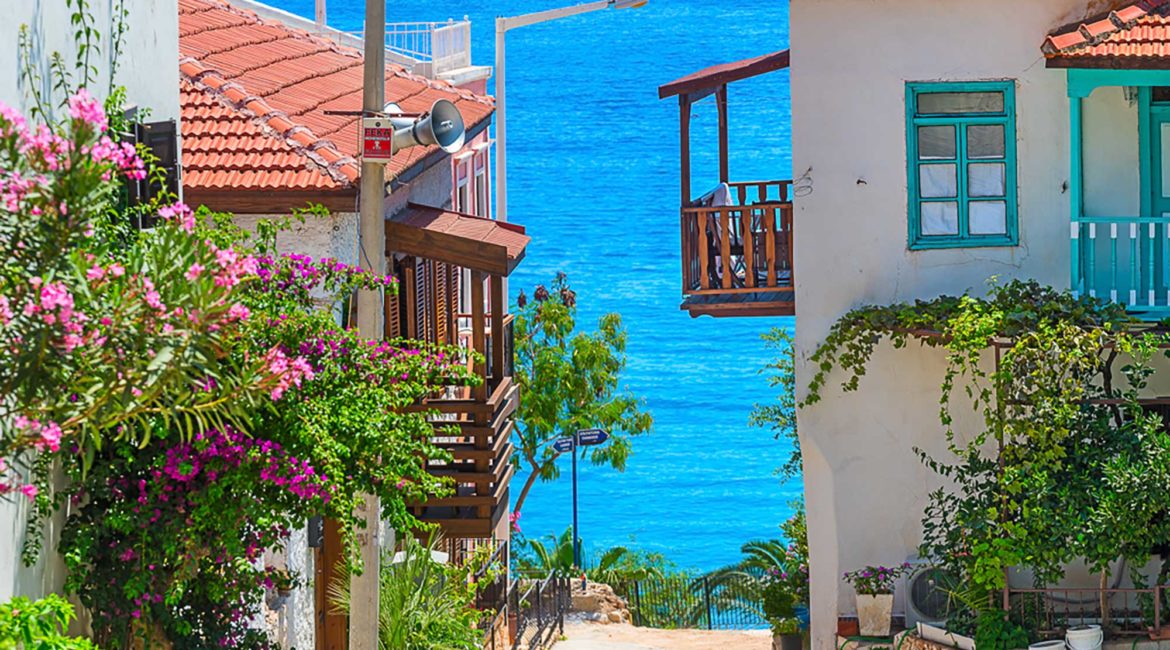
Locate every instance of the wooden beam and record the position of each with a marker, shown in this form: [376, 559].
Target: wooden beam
[725, 73]
[270, 201]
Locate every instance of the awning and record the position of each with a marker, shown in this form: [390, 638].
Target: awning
[442, 235]
[707, 80]
[1133, 37]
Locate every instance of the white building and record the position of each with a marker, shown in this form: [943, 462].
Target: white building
[150, 42]
[936, 145]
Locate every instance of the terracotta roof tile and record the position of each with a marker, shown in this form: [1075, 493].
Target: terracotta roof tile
[254, 97]
[1136, 34]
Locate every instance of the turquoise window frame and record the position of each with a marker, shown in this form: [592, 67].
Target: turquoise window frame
[1007, 118]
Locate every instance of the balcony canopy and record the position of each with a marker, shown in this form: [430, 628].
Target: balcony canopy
[1135, 36]
[706, 81]
[474, 243]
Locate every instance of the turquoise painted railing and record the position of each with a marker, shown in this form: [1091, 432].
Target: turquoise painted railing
[1124, 260]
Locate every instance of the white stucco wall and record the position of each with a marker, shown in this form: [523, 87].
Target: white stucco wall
[148, 67]
[149, 70]
[865, 488]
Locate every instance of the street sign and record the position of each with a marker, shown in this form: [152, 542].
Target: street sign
[563, 445]
[377, 139]
[589, 437]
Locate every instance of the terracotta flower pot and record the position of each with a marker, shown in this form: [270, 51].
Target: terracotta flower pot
[874, 614]
[847, 626]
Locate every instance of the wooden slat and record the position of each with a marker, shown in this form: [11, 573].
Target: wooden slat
[704, 261]
[749, 244]
[770, 244]
[725, 247]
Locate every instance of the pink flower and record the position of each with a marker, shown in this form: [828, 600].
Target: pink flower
[239, 312]
[51, 436]
[85, 107]
[180, 213]
[194, 271]
[29, 491]
[117, 270]
[95, 272]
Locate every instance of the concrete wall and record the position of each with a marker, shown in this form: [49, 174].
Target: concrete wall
[865, 488]
[147, 68]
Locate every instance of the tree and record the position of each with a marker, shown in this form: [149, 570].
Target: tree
[569, 381]
[780, 416]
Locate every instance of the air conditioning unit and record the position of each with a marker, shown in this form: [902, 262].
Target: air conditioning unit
[928, 594]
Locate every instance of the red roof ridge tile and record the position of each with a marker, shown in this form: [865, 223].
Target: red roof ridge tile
[339, 166]
[1095, 30]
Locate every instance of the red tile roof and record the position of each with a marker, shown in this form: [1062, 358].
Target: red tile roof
[1137, 35]
[254, 97]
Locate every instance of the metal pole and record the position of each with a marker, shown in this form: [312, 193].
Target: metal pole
[576, 531]
[501, 124]
[363, 614]
[320, 13]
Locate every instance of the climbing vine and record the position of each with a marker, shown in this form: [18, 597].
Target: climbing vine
[1065, 440]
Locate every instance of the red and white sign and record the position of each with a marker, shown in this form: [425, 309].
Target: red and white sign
[377, 139]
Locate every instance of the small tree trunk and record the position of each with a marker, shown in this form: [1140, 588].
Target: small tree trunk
[527, 486]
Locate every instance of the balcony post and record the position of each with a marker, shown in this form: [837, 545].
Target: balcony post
[478, 334]
[499, 308]
[1076, 194]
[684, 130]
[724, 166]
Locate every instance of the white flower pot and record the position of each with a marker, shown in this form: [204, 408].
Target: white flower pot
[874, 614]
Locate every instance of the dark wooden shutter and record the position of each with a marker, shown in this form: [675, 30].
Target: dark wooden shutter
[162, 140]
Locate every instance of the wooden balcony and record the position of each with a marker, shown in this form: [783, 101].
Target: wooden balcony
[737, 257]
[474, 424]
[736, 239]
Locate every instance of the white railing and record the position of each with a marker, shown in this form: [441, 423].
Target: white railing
[436, 47]
[1122, 259]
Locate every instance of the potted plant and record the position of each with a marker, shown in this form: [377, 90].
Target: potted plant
[280, 584]
[780, 612]
[875, 597]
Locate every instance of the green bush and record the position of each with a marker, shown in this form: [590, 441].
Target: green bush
[38, 625]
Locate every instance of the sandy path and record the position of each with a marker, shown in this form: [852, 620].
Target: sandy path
[591, 636]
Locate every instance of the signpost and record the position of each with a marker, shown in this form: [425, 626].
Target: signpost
[582, 438]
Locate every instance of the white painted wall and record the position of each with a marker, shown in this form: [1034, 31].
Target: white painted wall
[150, 72]
[148, 66]
[865, 488]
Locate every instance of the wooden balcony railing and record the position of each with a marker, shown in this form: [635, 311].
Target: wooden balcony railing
[738, 256]
[475, 426]
[1124, 260]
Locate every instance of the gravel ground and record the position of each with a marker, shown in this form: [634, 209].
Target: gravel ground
[591, 636]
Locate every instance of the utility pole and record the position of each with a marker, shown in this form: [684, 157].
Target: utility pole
[363, 608]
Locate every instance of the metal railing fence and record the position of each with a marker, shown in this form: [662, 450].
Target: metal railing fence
[685, 602]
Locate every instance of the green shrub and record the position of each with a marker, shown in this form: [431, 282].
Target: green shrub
[38, 625]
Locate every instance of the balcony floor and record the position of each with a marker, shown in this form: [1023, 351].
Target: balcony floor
[770, 302]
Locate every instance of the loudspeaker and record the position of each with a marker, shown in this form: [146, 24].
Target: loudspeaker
[442, 125]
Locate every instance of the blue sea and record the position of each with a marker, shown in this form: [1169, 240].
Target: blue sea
[593, 174]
